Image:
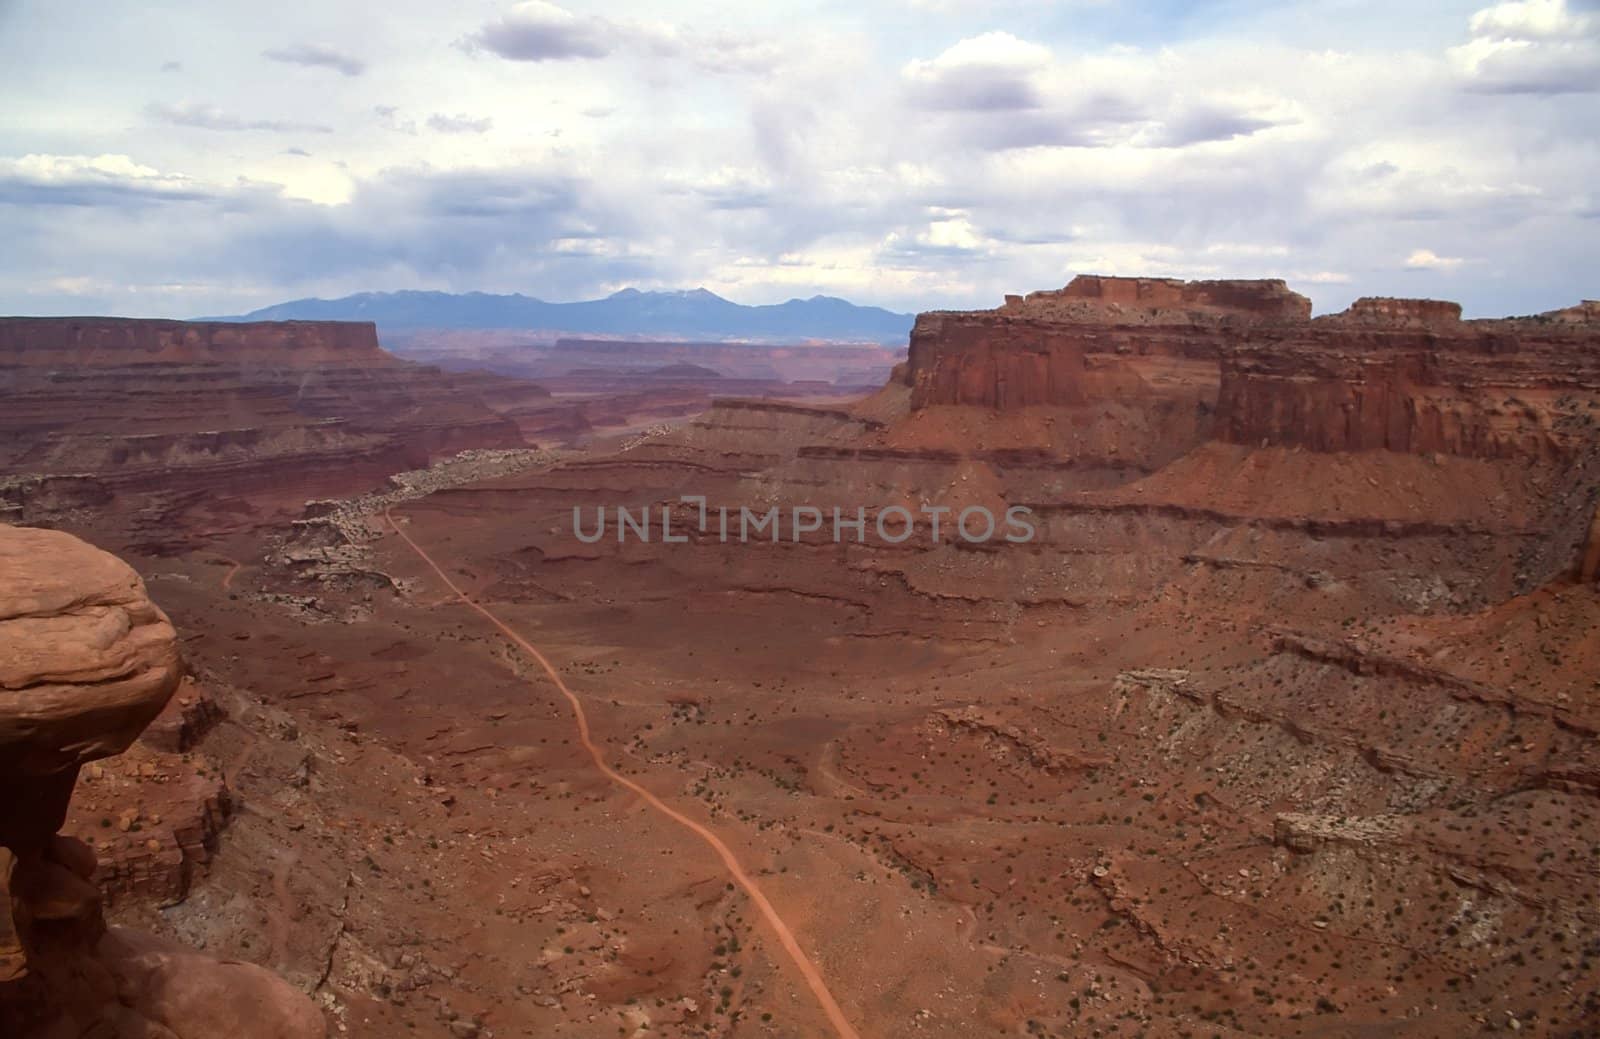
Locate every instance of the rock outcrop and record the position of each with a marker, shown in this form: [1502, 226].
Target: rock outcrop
[1096, 339]
[178, 425]
[1504, 389]
[1387, 374]
[1390, 312]
[118, 342]
[86, 662]
[1093, 298]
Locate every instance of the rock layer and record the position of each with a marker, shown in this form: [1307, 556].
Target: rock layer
[116, 342]
[1390, 374]
[179, 425]
[86, 662]
[1479, 389]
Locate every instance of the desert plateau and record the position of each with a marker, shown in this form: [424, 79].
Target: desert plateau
[1044, 519]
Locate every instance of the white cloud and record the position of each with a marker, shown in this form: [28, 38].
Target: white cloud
[994, 72]
[210, 117]
[1530, 47]
[86, 180]
[459, 123]
[313, 55]
[1428, 260]
[1530, 20]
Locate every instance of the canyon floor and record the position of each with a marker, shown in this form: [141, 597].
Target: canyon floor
[977, 817]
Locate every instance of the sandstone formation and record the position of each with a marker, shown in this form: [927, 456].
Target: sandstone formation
[98, 342]
[1092, 299]
[180, 426]
[86, 662]
[1404, 375]
[1480, 389]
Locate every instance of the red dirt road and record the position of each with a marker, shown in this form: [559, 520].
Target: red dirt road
[808, 970]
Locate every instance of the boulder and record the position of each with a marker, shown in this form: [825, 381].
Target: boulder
[86, 662]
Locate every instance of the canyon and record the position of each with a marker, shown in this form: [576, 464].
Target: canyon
[1285, 724]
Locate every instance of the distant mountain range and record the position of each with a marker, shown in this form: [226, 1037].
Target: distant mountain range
[697, 313]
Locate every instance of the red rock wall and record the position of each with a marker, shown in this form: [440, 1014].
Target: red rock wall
[81, 342]
[1387, 374]
[253, 418]
[1265, 297]
[1164, 301]
[994, 360]
[1484, 391]
[1401, 313]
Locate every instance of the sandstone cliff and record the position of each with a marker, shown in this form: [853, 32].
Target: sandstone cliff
[115, 342]
[86, 662]
[1097, 339]
[1210, 391]
[1478, 389]
[1391, 374]
[1094, 298]
[171, 424]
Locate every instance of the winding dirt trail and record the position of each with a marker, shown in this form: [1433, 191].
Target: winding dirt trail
[736, 870]
[233, 571]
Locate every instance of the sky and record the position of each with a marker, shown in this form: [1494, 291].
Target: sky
[175, 158]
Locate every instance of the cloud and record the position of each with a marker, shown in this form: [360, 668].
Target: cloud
[1427, 260]
[459, 123]
[97, 180]
[537, 31]
[389, 118]
[993, 72]
[1530, 47]
[210, 117]
[999, 92]
[1206, 122]
[314, 55]
[1529, 20]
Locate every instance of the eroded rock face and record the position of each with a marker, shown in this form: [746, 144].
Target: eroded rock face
[1244, 362]
[86, 662]
[1480, 390]
[1163, 301]
[181, 425]
[1391, 312]
[101, 341]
